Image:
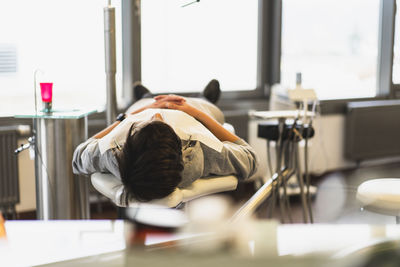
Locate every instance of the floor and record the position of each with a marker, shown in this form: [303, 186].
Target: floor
[335, 200]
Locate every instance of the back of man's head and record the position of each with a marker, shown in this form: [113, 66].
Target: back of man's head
[150, 162]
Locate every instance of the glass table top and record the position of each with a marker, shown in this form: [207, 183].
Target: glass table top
[58, 114]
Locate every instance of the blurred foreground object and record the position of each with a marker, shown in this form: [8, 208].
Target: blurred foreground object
[2, 228]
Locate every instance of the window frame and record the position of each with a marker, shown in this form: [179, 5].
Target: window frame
[268, 46]
[387, 18]
[395, 92]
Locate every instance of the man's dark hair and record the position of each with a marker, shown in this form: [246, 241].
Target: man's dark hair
[150, 162]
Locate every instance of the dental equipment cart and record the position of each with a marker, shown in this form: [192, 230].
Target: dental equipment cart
[288, 129]
[59, 193]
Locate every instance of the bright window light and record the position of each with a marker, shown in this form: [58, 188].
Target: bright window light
[64, 39]
[185, 47]
[334, 44]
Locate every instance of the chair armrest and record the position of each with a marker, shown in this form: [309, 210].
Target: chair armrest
[108, 185]
[207, 186]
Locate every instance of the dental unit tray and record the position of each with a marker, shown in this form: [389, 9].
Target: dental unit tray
[281, 114]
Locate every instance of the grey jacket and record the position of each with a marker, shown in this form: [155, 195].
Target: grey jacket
[199, 160]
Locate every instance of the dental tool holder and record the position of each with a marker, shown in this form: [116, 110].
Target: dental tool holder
[270, 130]
[287, 133]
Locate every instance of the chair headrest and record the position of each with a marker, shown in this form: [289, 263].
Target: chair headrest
[112, 187]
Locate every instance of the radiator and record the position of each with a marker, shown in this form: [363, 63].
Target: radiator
[9, 187]
[372, 129]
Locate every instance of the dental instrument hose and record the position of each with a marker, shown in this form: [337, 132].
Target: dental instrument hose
[276, 182]
[306, 172]
[269, 158]
[307, 175]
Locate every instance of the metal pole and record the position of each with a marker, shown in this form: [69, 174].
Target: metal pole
[255, 201]
[110, 64]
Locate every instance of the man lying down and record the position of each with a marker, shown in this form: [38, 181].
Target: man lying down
[166, 142]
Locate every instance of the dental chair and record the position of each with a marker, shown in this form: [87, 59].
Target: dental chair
[111, 187]
[381, 196]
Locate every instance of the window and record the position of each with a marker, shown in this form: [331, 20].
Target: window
[64, 39]
[184, 48]
[334, 44]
